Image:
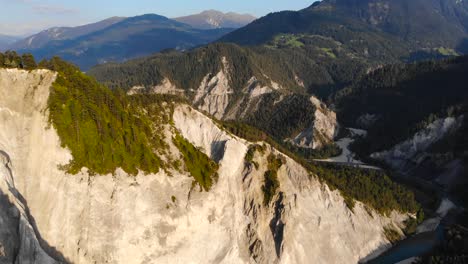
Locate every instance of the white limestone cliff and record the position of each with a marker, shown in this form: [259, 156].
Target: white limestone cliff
[124, 219]
[213, 95]
[21, 99]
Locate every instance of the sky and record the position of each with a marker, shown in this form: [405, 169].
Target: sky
[24, 17]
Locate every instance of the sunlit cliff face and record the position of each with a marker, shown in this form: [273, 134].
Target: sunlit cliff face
[161, 218]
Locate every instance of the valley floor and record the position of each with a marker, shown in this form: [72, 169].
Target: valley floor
[347, 158]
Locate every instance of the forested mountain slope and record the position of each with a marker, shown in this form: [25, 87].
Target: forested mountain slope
[401, 99]
[384, 26]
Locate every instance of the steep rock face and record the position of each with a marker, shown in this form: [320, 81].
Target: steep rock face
[315, 222]
[159, 218]
[322, 131]
[18, 240]
[413, 150]
[21, 104]
[255, 89]
[214, 92]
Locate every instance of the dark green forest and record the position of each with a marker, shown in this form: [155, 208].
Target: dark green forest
[271, 184]
[103, 130]
[11, 59]
[200, 166]
[319, 71]
[282, 114]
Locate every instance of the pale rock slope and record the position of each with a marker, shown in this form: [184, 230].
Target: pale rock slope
[412, 150]
[323, 130]
[124, 219]
[214, 92]
[166, 87]
[21, 103]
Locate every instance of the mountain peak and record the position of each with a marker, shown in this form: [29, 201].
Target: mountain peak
[211, 19]
[149, 16]
[211, 12]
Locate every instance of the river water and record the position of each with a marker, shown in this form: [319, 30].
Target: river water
[413, 246]
[427, 236]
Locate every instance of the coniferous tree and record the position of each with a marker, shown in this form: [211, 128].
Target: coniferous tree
[29, 63]
[12, 60]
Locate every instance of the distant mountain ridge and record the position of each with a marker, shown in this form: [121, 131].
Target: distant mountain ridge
[6, 41]
[211, 19]
[120, 38]
[116, 39]
[42, 38]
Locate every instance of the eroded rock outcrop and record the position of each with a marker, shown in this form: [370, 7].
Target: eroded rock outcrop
[165, 87]
[323, 130]
[214, 93]
[412, 151]
[21, 104]
[217, 96]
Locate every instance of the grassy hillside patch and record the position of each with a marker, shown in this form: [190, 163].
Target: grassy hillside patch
[286, 41]
[329, 52]
[201, 167]
[447, 51]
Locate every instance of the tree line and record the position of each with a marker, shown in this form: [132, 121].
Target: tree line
[11, 59]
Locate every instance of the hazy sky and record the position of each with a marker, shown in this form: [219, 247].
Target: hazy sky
[20, 17]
